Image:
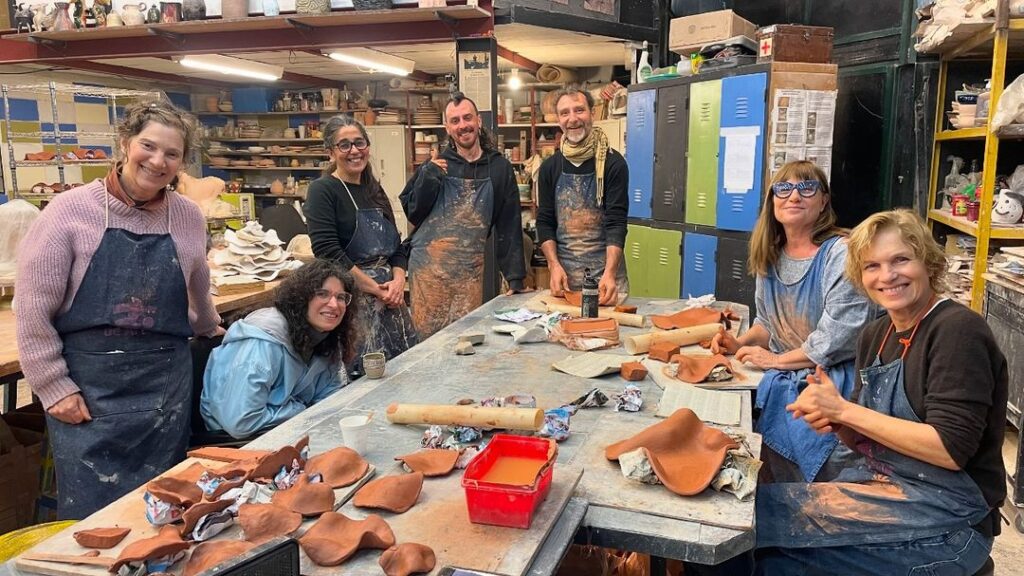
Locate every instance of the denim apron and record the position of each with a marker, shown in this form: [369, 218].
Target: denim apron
[447, 260]
[887, 497]
[580, 233]
[125, 343]
[792, 313]
[377, 328]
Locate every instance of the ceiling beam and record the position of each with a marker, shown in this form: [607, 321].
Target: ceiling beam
[233, 42]
[518, 59]
[144, 74]
[418, 75]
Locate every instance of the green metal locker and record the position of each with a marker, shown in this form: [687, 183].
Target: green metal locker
[637, 265]
[702, 152]
[662, 252]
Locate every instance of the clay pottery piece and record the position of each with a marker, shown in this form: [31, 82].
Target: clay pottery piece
[396, 493]
[340, 466]
[663, 351]
[195, 513]
[211, 103]
[305, 497]
[312, 6]
[407, 558]
[431, 462]
[210, 554]
[626, 309]
[101, 538]
[633, 371]
[335, 537]
[222, 454]
[133, 14]
[175, 491]
[607, 328]
[114, 20]
[684, 453]
[573, 298]
[63, 20]
[696, 369]
[168, 541]
[693, 317]
[170, 12]
[153, 15]
[271, 464]
[234, 9]
[194, 10]
[263, 522]
[277, 187]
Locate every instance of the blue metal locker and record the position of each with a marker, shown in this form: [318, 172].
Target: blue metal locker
[640, 123]
[743, 106]
[698, 264]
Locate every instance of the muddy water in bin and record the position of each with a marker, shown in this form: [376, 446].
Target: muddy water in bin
[514, 471]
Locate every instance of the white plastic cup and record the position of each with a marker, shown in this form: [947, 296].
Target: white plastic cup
[354, 431]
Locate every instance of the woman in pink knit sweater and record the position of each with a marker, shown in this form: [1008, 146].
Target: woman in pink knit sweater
[112, 281]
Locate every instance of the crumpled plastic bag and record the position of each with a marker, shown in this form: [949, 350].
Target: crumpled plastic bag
[1010, 108]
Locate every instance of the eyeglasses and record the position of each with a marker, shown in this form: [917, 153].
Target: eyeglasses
[806, 188]
[346, 145]
[325, 296]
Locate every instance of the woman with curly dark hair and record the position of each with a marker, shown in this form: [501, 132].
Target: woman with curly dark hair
[278, 361]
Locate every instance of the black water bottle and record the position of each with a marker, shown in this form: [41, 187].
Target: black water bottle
[588, 308]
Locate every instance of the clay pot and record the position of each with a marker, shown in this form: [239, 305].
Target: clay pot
[263, 522]
[101, 538]
[431, 462]
[167, 542]
[340, 466]
[396, 493]
[277, 187]
[230, 9]
[132, 14]
[194, 10]
[306, 498]
[407, 558]
[335, 537]
[210, 554]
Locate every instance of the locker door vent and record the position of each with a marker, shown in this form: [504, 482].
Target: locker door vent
[742, 108]
[662, 256]
[698, 262]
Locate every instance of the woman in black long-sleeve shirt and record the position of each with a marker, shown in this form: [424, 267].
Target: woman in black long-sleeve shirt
[351, 222]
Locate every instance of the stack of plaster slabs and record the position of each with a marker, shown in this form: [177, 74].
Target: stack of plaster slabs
[252, 255]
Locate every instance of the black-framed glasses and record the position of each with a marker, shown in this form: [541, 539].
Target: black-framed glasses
[358, 144]
[806, 188]
[325, 295]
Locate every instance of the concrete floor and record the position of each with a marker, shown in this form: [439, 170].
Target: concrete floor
[1007, 552]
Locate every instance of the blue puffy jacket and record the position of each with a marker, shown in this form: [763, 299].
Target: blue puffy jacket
[256, 380]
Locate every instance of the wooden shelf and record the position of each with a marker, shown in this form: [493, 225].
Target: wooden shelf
[527, 125]
[277, 154]
[267, 168]
[963, 134]
[426, 126]
[255, 140]
[317, 113]
[967, 227]
[103, 162]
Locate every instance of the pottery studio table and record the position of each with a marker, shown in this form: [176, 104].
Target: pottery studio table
[10, 367]
[590, 501]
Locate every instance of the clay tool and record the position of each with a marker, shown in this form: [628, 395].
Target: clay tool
[103, 561]
[641, 343]
[635, 320]
[476, 416]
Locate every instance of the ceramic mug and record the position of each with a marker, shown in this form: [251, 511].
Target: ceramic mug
[373, 365]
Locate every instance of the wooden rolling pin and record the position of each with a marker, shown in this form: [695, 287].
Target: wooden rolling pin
[681, 336]
[623, 318]
[476, 416]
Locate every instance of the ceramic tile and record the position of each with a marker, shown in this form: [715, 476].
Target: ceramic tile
[24, 109]
[92, 114]
[67, 111]
[90, 173]
[24, 126]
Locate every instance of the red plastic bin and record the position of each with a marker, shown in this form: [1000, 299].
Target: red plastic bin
[506, 504]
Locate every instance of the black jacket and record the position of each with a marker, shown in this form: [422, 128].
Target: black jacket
[423, 188]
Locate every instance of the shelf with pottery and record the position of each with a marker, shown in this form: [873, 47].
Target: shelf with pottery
[275, 154]
[296, 113]
[252, 140]
[64, 162]
[266, 168]
[967, 227]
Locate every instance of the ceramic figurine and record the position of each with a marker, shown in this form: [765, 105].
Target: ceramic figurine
[271, 8]
[62, 21]
[153, 16]
[134, 14]
[99, 12]
[1008, 208]
[193, 10]
[43, 16]
[23, 19]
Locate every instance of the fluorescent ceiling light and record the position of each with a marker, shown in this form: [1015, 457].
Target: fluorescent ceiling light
[233, 66]
[375, 60]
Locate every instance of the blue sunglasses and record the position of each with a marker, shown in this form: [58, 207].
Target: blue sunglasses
[806, 188]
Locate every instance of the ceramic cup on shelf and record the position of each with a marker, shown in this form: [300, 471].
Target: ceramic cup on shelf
[374, 364]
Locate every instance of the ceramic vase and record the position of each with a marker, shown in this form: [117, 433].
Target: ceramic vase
[234, 9]
[312, 7]
[170, 12]
[153, 16]
[271, 8]
[114, 20]
[134, 14]
[63, 20]
[193, 10]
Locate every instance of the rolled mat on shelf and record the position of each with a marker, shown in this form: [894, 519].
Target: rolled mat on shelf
[555, 74]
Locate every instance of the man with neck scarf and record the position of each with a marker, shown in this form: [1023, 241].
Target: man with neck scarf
[582, 204]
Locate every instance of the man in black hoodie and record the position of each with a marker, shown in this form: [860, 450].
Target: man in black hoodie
[453, 202]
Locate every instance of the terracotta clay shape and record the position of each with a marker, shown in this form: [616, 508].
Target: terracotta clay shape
[263, 522]
[271, 464]
[607, 328]
[696, 369]
[101, 538]
[210, 554]
[190, 474]
[226, 454]
[175, 491]
[626, 309]
[396, 493]
[340, 466]
[335, 537]
[573, 298]
[306, 498]
[663, 351]
[431, 462]
[95, 154]
[693, 317]
[167, 542]
[195, 513]
[234, 476]
[44, 156]
[408, 558]
[633, 371]
[684, 453]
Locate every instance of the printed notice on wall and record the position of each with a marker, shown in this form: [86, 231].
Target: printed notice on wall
[475, 78]
[802, 122]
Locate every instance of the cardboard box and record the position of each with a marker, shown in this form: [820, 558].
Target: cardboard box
[21, 453]
[689, 33]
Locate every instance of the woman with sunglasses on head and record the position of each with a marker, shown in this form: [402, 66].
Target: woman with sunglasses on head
[278, 361]
[808, 315]
[351, 222]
